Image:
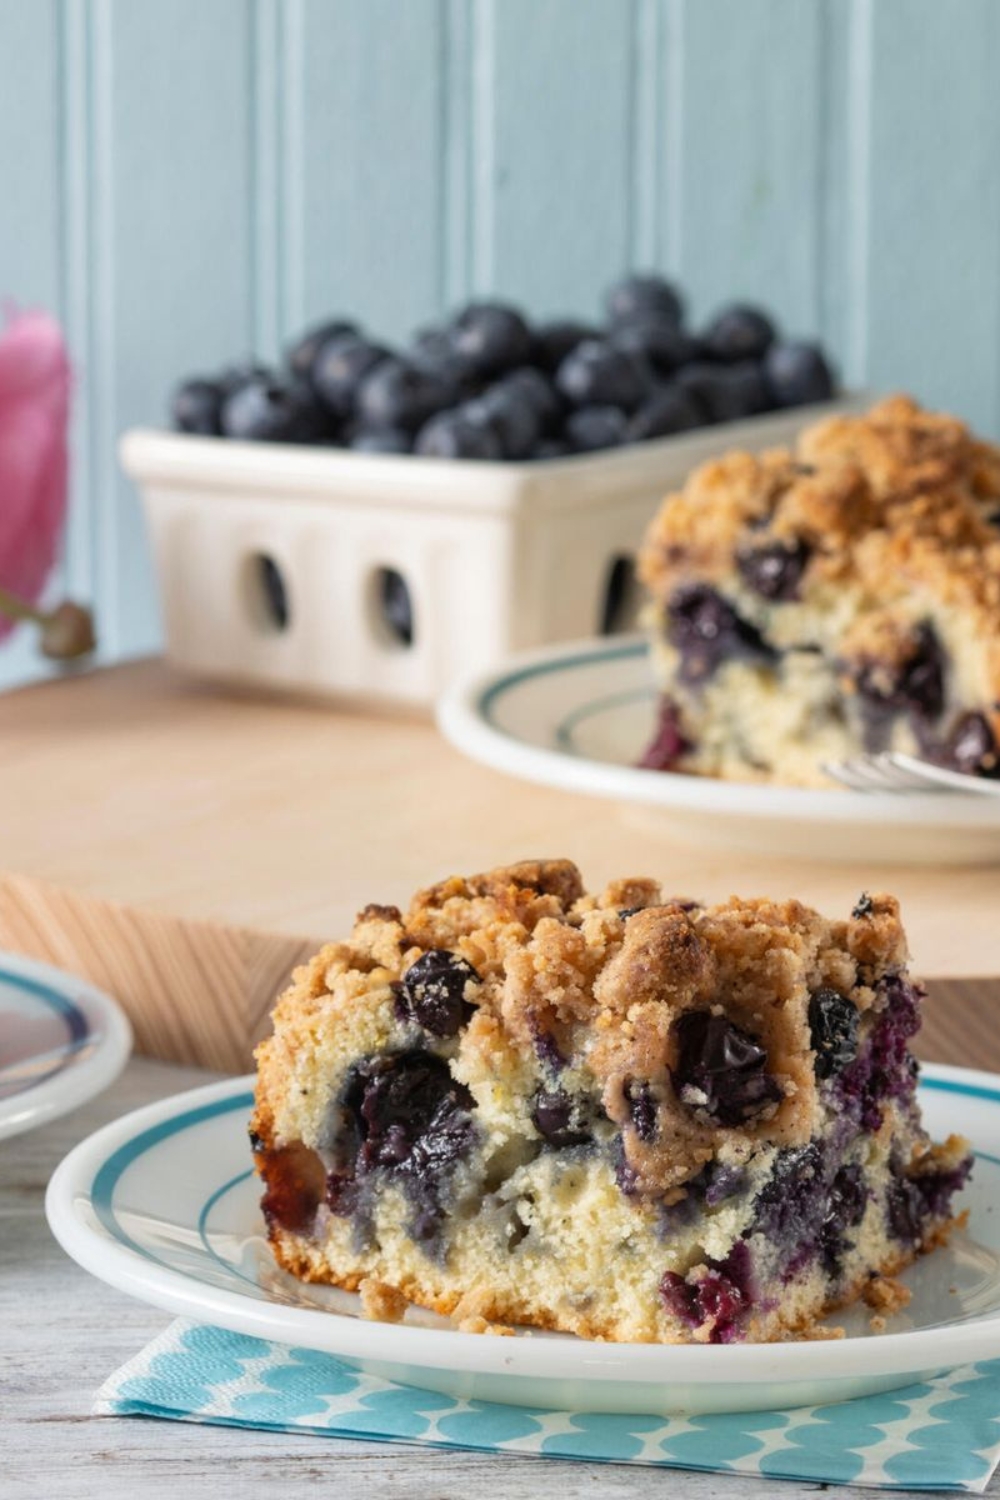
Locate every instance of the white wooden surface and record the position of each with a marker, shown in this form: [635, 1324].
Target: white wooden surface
[62, 1333]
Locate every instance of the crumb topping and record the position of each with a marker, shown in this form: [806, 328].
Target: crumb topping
[893, 504]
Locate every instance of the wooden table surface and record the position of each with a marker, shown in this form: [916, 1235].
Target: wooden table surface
[184, 847]
[62, 1333]
[140, 786]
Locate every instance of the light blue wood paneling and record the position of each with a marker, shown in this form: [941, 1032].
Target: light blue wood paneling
[741, 195]
[29, 151]
[552, 146]
[928, 288]
[365, 160]
[172, 236]
[187, 180]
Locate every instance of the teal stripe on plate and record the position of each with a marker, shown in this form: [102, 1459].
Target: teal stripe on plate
[489, 695]
[109, 1174]
[72, 1017]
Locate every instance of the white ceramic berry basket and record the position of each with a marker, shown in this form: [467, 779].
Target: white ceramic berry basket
[496, 557]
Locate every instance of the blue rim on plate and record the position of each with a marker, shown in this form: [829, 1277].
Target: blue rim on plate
[63, 1041]
[72, 1017]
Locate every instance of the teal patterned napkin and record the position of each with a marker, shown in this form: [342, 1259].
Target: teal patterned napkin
[941, 1435]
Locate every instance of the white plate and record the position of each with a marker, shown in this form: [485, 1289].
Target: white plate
[61, 1043]
[578, 717]
[163, 1205]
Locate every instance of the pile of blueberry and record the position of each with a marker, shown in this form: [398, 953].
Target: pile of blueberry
[488, 385]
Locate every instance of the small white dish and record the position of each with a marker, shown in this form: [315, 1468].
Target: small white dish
[578, 717]
[61, 1043]
[163, 1204]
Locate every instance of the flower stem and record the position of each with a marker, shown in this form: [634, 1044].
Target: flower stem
[19, 609]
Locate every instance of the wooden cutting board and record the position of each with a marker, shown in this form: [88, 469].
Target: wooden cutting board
[183, 848]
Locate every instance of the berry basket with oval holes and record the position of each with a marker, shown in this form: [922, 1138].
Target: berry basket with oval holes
[373, 525]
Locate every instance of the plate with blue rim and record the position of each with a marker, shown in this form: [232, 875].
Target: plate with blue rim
[578, 717]
[62, 1042]
[164, 1206]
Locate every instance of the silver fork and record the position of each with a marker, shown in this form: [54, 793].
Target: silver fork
[892, 771]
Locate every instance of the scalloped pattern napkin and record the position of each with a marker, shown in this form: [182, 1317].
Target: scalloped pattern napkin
[940, 1435]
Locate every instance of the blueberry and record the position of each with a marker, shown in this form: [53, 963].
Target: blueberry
[459, 433]
[833, 1031]
[492, 337]
[636, 295]
[701, 382]
[722, 1296]
[738, 332]
[669, 744]
[432, 346]
[904, 1210]
[599, 373]
[775, 571]
[787, 1205]
[244, 372]
[381, 440]
[846, 1206]
[722, 1180]
[915, 686]
[433, 350]
[559, 1119]
[642, 1109]
[721, 1069]
[550, 448]
[741, 391]
[396, 1101]
[512, 413]
[660, 340]
[197, 407]
[398, 393]
[339, 366]
[863, 907]
[432, 992]
[707, 631]
[972, 748]
[553, 341]
[265, 411]
[594, 427]
[938, 1188]
[797, 374]
[302, 354]
[537, 389]
[670, 410]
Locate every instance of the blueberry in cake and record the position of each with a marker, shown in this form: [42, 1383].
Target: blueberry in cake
[619, 1116]
[843, 597]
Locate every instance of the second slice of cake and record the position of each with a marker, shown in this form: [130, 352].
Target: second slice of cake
[841, 598]
[617, 1116]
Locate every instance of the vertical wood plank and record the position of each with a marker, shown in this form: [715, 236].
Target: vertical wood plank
[554, 150]
[171, 244]
[29, 153]
[743, 174]
[932, 222]
[367, 88]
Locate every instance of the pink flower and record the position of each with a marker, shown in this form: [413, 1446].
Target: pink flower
[34, 410]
